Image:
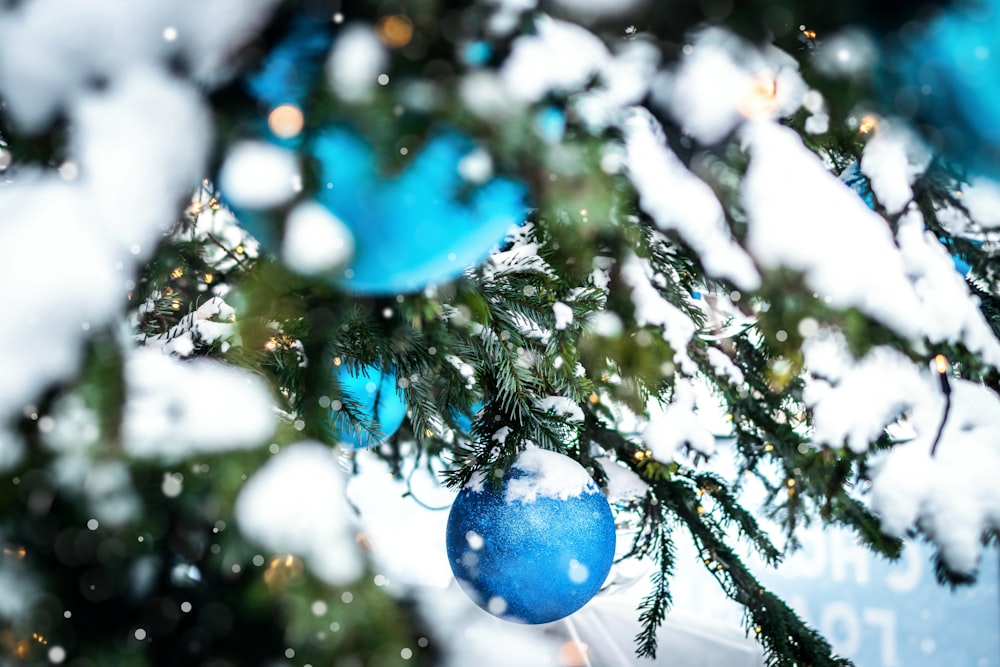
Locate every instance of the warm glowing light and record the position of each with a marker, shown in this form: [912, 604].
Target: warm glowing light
[14, 551]
[209, 278]
[791, 482]
[239, 249]
[701, 509]
[286, 121]
[574, 654]
[214, 204]
[761, 97]
[282, 569]
[196, 208]
[177, 273]
[271, 345]
[768, 448]
[868, 123]
[594, 398]
[640, 455]
[941, 364]
[811, 34]
[395, 31]
[175, 305]
[337, 361]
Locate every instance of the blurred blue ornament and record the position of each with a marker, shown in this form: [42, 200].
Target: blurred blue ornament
[477, 54]
[381, 401]
[291, 68]
[853, 177]
[463, 420]
[423, 226]
[531, 560]
[550, 123]
[945, 74]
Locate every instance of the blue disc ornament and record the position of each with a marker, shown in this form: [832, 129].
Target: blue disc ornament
[945, 74]
[379, 397]
[537, 548]
[421, 225]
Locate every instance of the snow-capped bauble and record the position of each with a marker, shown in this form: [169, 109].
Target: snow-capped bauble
[411, 227]
[379, 397]
[537, 548]
[945, 74]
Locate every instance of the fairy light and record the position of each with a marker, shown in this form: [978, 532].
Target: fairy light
[209, 278]
[868, 124]
[395, 31]
[175, 305]
[941, 364]
[594, 398]
[214, 204]
[337, 361]
[177, 273]
[281, 570]
[761, 97]
[769, 447]
[271, 345]
[808, 34]
[196, 207]
[791, 482]
[15, 551]
[286, 121]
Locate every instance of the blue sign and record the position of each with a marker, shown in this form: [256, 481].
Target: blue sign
[883, 614]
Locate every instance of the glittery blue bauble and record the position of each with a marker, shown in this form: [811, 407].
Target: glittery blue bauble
[530, 562]
[945, 74]
[380, 399]
[423, 226]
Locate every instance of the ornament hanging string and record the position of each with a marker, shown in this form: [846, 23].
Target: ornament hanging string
[409, 487]
[941, 367]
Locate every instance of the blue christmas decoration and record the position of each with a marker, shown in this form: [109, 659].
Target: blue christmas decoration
[477, 54]
[538, 548]
[291, 68]
[550, 123]
[463, 420]
[380, 398]
[424, 226]
[854, 178]
[946, 75]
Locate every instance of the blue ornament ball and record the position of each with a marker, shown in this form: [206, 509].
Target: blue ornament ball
[945, 74]
[539, 547]
[380, 399]
[423, 226]
[438, 216]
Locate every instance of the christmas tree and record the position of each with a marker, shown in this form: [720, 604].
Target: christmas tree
[603, 278]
